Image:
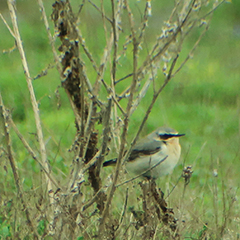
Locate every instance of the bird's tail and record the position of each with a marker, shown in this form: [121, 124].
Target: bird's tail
[111, 162]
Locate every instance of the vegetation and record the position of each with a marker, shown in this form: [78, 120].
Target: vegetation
[52, 182]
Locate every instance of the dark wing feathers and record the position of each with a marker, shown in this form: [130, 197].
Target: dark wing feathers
[144, 148]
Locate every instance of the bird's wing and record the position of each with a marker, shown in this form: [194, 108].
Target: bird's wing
[146, 147]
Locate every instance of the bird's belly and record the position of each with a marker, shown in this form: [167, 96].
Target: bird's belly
[159, 165]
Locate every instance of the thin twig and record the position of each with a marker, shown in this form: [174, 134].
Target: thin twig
[122, 215]
[121, 79]
[95, 6]
[214, 9]
[191, 51]
[8, 27]
[144, 23]
[92, 161]
[31, 152]
[92, 200]
[81, 8]
[141, 95]
[115, 47]
[51, 40]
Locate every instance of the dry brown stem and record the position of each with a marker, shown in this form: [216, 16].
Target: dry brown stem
[11, 6]
[5, 120]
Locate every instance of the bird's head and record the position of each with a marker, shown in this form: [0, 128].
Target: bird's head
[166, 134]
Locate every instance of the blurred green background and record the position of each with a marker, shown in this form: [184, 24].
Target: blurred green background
[202, 101]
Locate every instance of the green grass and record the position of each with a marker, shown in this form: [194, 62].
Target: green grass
[202, 101]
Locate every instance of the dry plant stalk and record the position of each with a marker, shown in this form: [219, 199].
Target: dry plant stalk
[11, 5]
[5, 120]
[80, 210]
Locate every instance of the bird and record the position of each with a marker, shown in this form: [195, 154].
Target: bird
[155, 155]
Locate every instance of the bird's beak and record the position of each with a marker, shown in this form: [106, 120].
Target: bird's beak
[179, 135]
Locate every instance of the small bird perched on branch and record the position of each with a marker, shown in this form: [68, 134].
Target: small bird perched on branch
[155, 155]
